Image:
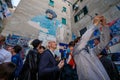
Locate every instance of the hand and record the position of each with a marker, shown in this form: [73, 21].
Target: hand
[103, 21]
[61, 64]
[97, 20]
[57, 58]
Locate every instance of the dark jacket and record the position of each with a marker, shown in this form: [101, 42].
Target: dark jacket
[30, 67]
[67, 72]
[110, 68]
[48, 69]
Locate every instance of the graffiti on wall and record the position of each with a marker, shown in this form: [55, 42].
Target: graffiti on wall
[17, 40]
[47, 24]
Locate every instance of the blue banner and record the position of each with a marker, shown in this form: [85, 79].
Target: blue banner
[15, 39]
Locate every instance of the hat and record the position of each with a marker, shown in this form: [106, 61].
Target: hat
[36, 42]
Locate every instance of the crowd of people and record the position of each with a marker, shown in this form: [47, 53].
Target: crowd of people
[79, 62]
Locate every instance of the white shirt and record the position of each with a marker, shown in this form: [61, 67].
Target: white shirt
[52, 52]
[5, 56]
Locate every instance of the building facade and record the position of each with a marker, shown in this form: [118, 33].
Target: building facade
[84, 11]
[36, 11]
[73, 17]
[87, 9]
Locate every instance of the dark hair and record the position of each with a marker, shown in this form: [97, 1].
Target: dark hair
[77, 40]
[2, 38]
[98, 38]
[17, 48]
[36, 42]
[71, 44]
[42, 47]
[6, 70]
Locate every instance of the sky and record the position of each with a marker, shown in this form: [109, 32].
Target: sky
[15, 2]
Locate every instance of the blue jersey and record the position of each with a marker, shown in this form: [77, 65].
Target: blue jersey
[16, 59]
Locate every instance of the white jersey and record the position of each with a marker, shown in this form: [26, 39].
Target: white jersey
[5, 56]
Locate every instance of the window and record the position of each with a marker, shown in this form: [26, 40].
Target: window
[82, 31]
[51, 3]
[73, 7]
[85, 10]
[64, 21]
[76, 18]
[64, 9]
[81, 14]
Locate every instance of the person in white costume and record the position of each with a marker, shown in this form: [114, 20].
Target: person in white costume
[88, 65]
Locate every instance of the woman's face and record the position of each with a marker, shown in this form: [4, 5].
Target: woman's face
[71, 48]
[40, 50]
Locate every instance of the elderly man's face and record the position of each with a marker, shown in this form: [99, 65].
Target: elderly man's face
[53, 44]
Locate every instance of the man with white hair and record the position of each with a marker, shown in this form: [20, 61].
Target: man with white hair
[48, 67]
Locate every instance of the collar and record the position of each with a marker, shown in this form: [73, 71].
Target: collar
[52, 52]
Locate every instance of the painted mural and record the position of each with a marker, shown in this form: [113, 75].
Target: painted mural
[12, 40]
[17, 40]
[47, 24]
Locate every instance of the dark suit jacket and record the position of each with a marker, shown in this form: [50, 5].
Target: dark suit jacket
[48, 69]
[110, 67]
